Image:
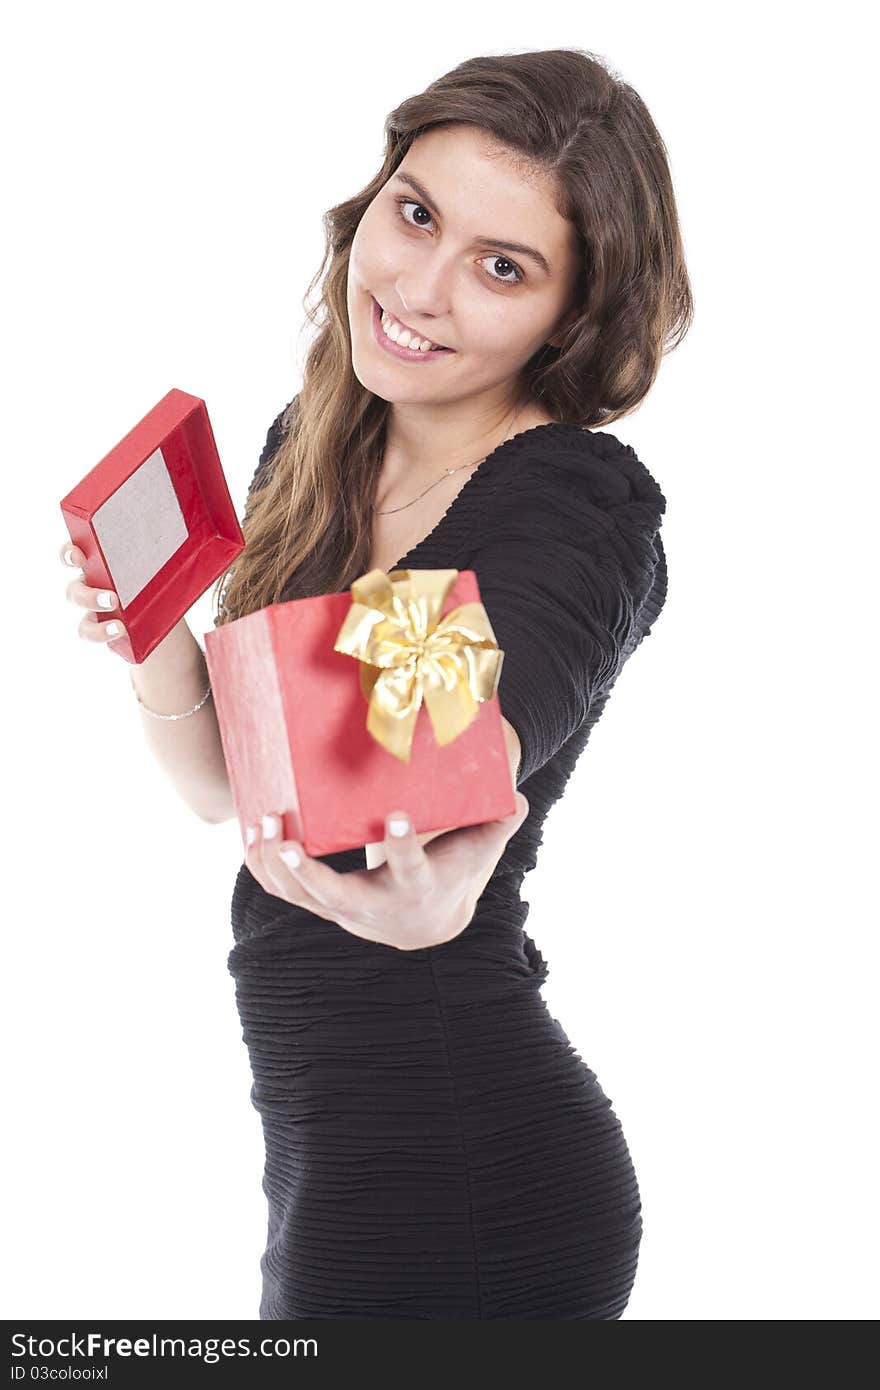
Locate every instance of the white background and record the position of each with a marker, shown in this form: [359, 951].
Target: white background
[703, 893]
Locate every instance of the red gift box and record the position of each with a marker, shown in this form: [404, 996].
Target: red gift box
[293, 714]
[155, 522]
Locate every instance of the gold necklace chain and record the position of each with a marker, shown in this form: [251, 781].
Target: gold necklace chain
[448, 473]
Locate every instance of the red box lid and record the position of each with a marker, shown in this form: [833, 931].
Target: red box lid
[155, 521]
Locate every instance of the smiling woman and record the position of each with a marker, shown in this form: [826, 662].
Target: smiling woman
[446, 281]
[435, 1146]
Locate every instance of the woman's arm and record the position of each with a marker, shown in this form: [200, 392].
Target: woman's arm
[173, 678]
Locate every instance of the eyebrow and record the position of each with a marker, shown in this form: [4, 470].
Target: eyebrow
[514, 246]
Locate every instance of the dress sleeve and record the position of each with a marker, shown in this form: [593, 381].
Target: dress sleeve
[563, 575]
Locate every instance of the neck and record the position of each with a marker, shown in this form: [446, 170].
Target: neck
[421, 442]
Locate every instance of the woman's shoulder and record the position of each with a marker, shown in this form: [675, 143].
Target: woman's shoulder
[570, 473]
[274, 438]
[277, 430]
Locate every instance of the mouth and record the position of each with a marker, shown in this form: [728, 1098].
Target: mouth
[406, 353]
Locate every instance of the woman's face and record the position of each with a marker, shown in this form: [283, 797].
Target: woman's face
[433, 256]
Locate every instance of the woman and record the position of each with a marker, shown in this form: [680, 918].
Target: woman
[435, 1147]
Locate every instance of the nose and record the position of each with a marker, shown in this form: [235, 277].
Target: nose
[418, 303]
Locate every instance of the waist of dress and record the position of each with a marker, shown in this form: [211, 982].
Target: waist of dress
[491, 954]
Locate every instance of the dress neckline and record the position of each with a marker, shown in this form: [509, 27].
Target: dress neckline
[506, 445]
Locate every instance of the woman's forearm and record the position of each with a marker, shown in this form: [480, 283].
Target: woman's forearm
[173, 678]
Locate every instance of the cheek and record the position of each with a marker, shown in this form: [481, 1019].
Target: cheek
[356, 261]
[497, 331]
[374, 254]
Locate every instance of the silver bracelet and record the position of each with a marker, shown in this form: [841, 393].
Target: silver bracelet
[152, 712]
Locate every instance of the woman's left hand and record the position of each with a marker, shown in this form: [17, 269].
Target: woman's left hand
[422, 895]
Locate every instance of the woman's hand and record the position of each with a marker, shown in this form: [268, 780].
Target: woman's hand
[93, 600]
[422, 895]
[176, 649]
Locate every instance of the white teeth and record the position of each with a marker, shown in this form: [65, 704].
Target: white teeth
[402, 336]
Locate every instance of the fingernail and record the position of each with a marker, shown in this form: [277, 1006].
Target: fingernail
[113, 629]
[398, 824]
[270, 827]
[68, 555]
[251, 834]
[291, 856]
[106, 599]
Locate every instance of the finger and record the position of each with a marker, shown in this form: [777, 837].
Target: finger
[405, 855]
[518, 814]
[501, 830]
[505, 826]
[93, 630]
[96, 600]
[302, 884]
[72, 555]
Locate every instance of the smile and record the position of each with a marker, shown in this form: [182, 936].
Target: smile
[402, 349]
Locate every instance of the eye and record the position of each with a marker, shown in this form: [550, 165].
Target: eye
[518, 275]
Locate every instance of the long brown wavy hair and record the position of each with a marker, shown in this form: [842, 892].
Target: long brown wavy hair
[307, 526]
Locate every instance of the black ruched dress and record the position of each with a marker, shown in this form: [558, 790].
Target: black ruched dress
[435, 1146]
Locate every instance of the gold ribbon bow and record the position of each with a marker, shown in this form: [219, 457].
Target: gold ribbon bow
[408, 654]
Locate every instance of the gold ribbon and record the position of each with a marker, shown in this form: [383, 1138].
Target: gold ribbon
[408, 654]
